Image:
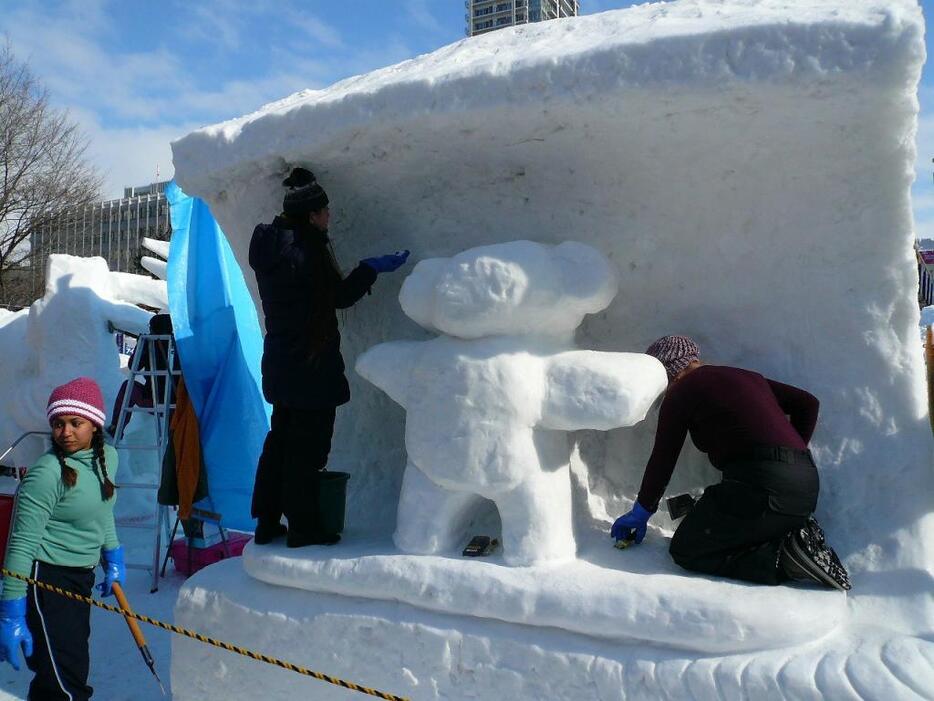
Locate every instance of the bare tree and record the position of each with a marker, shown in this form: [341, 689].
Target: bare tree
[43, 169]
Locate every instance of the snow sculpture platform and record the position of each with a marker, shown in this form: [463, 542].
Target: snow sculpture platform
[425, 655]
[634, 596]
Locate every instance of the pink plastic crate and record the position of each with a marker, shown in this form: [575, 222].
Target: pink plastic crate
[202, 557]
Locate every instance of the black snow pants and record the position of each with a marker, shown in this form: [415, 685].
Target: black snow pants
[287, 477]
[61, 630]
[736, 528]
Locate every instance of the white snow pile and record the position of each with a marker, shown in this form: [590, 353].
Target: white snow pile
[735, 162]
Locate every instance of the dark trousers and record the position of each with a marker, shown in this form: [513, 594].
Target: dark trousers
[296, 449]
[736, 528]
[61, 629]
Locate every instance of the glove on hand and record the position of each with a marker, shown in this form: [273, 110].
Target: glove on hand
[636, 520]
[387, 263]
[14, 633]
[114, 569]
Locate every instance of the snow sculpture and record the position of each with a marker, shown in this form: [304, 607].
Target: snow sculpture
[68, 333]
[489, 400]
[747, 166]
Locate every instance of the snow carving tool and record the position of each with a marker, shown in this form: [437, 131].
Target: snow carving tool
[624, 543]
[137, 633]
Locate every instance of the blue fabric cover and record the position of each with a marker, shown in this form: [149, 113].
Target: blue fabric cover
[220, 345]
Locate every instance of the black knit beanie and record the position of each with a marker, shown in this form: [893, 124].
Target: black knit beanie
[304, 196]
[675, 353]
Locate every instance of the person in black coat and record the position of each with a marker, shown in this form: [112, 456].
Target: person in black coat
[301, 287]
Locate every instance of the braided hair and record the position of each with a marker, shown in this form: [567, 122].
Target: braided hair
[97, 444]
[70, 475]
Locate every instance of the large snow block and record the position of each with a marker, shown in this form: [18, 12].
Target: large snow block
[745, 165]
[423, 655]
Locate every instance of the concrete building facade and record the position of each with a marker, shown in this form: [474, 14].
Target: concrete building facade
[113, 229]
[487, 15]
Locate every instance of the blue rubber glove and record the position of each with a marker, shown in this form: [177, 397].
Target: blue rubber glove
[635, 521]
[114, 569]
[14, 633]
[387, 263]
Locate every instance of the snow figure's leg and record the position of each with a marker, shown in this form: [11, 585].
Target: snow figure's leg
[536, 518]
[431, 519]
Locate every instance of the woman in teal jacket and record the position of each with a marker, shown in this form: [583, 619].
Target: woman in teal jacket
[63, 525]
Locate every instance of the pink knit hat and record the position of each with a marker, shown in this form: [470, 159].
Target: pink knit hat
[80, 397]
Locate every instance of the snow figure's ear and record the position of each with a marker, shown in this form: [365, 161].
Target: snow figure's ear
[591, 281]
[419, 291]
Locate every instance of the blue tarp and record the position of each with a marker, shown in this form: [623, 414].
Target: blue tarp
[220, 345]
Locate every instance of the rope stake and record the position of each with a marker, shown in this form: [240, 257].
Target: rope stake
[178, 630]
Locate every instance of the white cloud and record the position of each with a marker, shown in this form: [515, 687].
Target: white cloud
[130, 156]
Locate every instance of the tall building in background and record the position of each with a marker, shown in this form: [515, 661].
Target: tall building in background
[486, 15]
[113, 230]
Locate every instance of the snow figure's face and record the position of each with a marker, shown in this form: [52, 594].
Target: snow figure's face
[514, 288]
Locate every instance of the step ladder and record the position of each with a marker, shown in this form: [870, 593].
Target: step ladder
[156, 360]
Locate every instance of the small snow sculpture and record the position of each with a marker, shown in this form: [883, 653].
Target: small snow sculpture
[488, 402]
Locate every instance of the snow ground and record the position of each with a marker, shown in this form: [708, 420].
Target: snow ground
[118, 672]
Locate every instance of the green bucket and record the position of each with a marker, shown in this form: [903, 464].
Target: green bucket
[332, 499]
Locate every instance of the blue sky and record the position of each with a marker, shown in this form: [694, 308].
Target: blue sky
[138, 74]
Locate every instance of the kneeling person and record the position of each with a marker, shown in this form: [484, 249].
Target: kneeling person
[757, 523]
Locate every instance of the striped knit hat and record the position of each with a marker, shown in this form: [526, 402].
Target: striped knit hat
[674, 352]
[80, 397]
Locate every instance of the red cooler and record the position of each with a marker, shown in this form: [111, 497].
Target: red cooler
[6, 521]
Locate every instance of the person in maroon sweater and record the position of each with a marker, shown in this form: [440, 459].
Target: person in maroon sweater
[757, 523]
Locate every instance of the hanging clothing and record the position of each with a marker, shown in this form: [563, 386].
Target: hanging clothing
[184, 480]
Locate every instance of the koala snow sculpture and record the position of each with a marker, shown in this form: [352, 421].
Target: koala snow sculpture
[488, 402]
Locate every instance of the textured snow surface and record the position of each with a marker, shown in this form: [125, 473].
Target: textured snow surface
[744, 165]
[425, 655]
[638, 595]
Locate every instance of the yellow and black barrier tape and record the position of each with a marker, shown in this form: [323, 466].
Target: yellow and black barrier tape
[210, 641]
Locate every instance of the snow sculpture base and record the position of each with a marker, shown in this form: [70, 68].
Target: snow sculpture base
[403, 649]
[637, 595]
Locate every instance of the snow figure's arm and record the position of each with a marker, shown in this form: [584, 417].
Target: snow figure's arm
[140, 289]
[590, 389]
[389, 367]
[126, 317]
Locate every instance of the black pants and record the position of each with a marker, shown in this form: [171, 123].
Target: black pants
[296, 449]
[736, 528]
[61, 629]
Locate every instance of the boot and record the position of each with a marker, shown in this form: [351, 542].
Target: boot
[267, 531]
[805, 556]
[299, 539]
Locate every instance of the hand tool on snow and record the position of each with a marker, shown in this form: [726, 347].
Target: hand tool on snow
[137, 633]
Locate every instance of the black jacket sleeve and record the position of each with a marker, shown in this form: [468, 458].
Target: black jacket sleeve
[354, 286]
